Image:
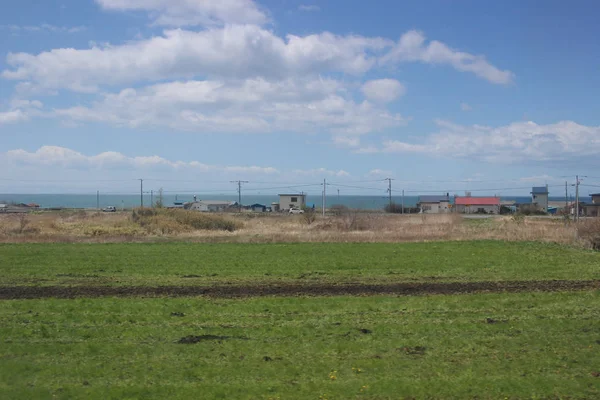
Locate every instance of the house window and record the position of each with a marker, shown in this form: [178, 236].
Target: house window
[294, 199]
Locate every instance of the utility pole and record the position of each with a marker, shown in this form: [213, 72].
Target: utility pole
[566, 198]
[402, 201]
[239, 183]
[577, 198]
[141, 193]
[152, 198]
[324, 195]
[98, 200]
[389, 191]
[338, 195]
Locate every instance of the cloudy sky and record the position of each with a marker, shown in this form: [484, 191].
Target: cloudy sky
[439, 95]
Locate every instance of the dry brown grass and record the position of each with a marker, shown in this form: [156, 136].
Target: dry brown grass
[589, 231]
[250, 228]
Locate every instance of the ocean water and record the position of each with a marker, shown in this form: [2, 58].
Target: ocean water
[131, 200]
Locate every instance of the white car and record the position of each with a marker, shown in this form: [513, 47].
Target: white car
[296, 211]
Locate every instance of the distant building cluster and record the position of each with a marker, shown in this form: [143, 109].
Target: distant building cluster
[539, 204]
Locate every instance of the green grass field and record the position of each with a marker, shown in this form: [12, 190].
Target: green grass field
[195, 264]
[528, 345]
[542, 345]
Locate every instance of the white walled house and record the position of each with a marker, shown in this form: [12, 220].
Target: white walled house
[434, 204]
[287, 201]
[211, 205]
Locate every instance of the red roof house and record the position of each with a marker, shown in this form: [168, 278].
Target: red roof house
[477, 205]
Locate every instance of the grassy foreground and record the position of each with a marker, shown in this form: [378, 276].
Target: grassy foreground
[199, 264]
[492, 346]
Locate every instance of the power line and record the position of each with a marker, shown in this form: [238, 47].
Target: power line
[354, 187]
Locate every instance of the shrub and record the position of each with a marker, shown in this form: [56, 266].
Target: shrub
[393, 208]
[530, 209]
[166, 221]
[589, 231]
[309, 216]
[397, 209]
[338, 209]
[23, 222]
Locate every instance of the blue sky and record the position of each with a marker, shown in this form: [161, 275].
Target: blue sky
[441, 96]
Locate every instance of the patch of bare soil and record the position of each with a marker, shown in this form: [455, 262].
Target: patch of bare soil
[192, 339]
[259, 290]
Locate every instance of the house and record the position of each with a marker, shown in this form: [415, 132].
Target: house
[539, 197]
[477, 205]
[287, 201]
[592, 209]
[434, 204]
[211, 205]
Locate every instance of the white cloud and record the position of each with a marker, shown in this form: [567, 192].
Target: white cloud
[412, 48]
[322, 172]
[465, 107]
[234, 52]
[380, 172]
[367, 150]
[383, 90]
[309, 7]
[43, 28]
[346, 141]
[192, 12]
[519, 142]
[62, 157]
[13, 116]
[21, 110]
[253, 105]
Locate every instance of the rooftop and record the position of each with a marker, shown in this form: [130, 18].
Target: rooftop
[216, 202]
[477, 201]
[433, 199]
[294, 194]
[539, 190]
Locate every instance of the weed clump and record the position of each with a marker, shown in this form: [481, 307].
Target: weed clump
[175, 221]
[589, 231]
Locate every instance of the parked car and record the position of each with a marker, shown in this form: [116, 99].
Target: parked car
[110, 209]
[296, 211]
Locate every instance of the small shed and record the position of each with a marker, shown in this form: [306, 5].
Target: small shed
[258, 208]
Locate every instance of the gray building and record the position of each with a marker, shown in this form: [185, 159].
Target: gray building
[434, 204]
[593, 209]
[287, 201]
[539, 197]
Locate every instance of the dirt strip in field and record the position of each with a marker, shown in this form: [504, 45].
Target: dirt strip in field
[256, 290]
